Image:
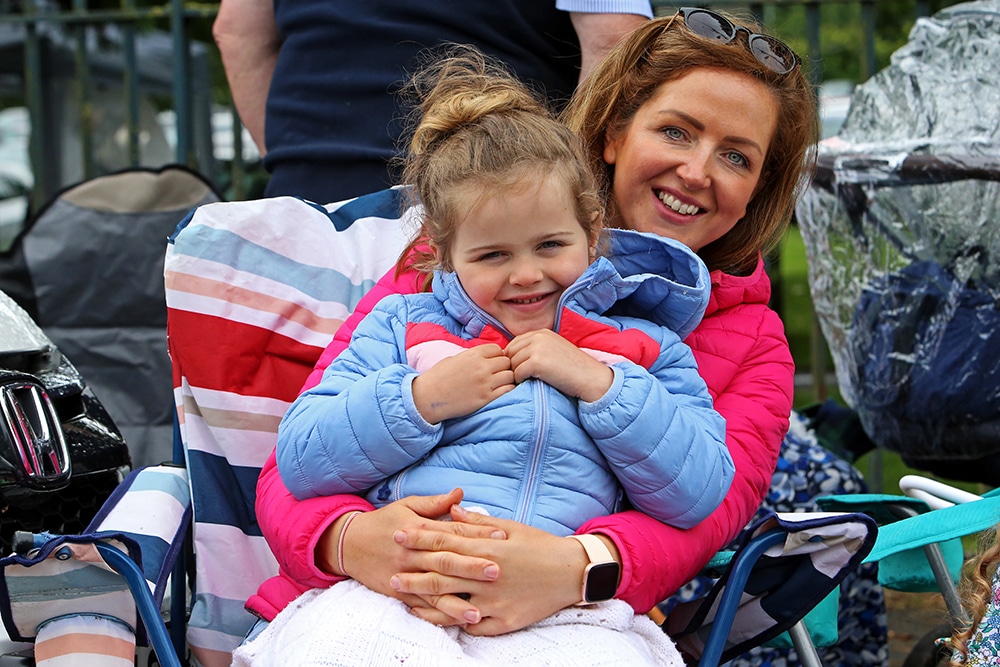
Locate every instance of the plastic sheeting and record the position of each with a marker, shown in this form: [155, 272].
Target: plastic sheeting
[902, 231]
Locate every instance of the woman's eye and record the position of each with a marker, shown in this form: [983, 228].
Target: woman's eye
[673, 132]
[738, 159]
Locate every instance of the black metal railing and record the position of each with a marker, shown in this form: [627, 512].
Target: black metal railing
[79, 66]
[61, 59]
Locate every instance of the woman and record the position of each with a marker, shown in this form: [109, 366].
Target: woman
[700, 131]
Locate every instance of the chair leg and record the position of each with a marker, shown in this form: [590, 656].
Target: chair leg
[808, 656]
[935, 558]
[149, 612]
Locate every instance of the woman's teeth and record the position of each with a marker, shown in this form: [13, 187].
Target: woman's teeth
[673, 204]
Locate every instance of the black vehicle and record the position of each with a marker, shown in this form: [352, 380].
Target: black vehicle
[61, 455]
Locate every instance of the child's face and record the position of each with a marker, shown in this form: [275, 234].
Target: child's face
[516, 252]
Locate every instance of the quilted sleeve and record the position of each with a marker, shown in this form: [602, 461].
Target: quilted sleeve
[663, 439]
[294, 527]
[756, 402]
[359, 424]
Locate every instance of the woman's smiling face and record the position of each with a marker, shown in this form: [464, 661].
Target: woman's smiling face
[689, 162]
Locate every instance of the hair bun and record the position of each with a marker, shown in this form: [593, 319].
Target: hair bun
[459, 89]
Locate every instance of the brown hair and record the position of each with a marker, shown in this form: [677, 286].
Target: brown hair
[658, 52]
[481, 132]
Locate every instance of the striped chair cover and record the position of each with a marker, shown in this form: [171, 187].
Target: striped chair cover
[64, 575]
[255, 291]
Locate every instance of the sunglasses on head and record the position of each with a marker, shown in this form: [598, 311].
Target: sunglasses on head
[771, 52]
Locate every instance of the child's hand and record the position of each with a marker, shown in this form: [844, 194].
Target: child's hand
[547, 356]
[460, 385]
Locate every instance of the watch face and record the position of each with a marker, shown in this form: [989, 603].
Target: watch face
[602, 581]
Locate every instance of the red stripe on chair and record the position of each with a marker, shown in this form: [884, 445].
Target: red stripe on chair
[259, 362]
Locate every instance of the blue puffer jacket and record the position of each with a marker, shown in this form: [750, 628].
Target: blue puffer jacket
[534, 454]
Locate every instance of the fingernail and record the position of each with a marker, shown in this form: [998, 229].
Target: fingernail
[472, 615]
[394, 583]
[459, 510]
[491, 571]
[498, 535]
[399, 536]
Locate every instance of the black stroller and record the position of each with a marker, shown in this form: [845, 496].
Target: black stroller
[902, 230]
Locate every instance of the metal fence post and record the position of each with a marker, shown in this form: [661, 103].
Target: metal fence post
[182, 75]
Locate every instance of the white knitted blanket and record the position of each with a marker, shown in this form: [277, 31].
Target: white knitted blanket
[350, 625]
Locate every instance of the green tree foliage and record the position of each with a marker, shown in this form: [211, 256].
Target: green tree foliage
[842, 33]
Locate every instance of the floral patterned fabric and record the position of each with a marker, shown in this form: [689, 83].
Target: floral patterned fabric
[984, 645]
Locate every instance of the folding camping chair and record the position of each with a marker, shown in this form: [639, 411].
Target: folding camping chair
[255, 290]
[88, 269]
[919, 547]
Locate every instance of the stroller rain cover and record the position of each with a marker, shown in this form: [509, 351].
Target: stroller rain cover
[902, 231]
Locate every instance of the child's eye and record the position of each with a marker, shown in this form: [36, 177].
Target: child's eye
[486, 257]
[548, 245]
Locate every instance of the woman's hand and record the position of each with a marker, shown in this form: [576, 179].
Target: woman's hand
[374, 551]
[545, 355]
[541, 574]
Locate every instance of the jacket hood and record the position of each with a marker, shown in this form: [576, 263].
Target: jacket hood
[658, 279]
[644, 276]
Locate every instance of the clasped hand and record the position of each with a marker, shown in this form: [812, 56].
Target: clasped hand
[486, 574]
[461, 384]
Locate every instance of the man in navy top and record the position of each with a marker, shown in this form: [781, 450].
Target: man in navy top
[314, 81]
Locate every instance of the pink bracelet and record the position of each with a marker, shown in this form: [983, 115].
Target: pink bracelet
[340, 542]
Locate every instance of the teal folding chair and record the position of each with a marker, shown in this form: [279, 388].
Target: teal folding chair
[919, 546]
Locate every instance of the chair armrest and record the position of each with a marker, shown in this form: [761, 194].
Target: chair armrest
[145, 520]
[786, 566]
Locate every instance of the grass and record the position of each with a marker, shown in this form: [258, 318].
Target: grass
[881, 468]
[794, 301]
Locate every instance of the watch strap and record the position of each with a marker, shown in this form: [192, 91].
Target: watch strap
[597, 550]
[596, 575]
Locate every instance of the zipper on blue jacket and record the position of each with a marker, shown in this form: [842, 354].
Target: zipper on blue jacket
[536, 450]
[535, 455]
[564, 297]
[397, 485]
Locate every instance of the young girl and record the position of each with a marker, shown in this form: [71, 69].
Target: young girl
[523, 377]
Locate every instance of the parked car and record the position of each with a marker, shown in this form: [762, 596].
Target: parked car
[61, 455]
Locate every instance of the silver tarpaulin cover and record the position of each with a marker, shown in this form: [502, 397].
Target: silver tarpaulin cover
[902, 231]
